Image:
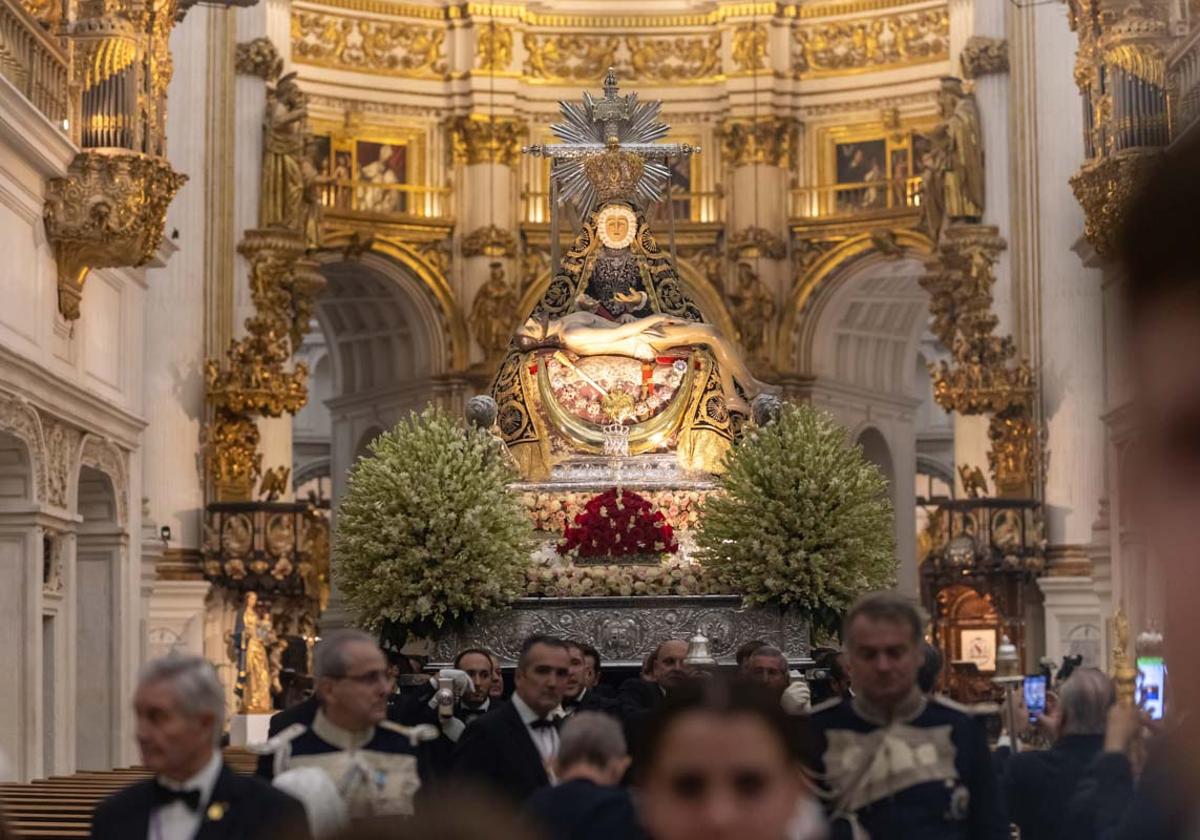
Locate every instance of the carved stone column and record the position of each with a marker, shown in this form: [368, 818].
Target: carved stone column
[488, 150]
[758, 156]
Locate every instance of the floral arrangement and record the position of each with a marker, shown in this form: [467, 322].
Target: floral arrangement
[804, 520]
[427, 532]
[618, 524]
[547, 577]
[555, 511]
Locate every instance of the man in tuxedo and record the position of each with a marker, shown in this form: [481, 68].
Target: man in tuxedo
[639, 696]
[588, 802]
[580, 694]
[591, 657]
[477, 701]
[508, 749]
[180, 708]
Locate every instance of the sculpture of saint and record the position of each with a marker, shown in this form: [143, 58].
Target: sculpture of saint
[282, 195]
[952, 169]
[753, 310]
[252, 637]
[493, 313]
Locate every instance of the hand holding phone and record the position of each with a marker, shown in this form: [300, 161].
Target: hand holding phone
[1152, 686]
[1035, 695]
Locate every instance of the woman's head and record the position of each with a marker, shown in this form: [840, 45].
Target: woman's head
[720, 760]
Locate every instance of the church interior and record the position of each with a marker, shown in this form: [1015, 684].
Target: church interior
[249, 237]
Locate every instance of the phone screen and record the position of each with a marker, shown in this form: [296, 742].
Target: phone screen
[1152, 685]
[1035, 695]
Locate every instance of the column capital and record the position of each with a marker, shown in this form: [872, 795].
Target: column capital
[769, 139]
[480, 138]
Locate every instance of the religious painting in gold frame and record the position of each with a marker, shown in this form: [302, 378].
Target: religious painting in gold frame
[869, 167]
[369, 168]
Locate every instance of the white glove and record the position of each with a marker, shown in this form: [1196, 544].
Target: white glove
[462, 683]
[453, 729]
[797, 698]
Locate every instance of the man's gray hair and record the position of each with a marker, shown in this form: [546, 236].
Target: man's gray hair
[329, 659]
[1084, 701]
[196, 685]
[885, 606]
[590, 737]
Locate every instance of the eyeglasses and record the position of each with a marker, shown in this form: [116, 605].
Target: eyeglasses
[369, 678]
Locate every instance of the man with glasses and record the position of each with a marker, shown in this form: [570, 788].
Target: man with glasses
[375, 764]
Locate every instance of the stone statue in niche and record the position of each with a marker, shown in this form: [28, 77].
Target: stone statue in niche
[753, 311]
[493, 313]
[281, 200]
[952, 174]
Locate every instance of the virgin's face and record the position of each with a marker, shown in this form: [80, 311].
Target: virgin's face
[618, 227]
[720, 777]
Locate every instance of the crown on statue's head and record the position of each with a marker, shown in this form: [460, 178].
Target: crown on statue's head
[614, 174]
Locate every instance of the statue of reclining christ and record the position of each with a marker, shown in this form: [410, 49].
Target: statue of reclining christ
[644, 339]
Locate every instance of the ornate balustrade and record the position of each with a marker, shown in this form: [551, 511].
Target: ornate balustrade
[833, 200]
[35, 63]
[344, 195]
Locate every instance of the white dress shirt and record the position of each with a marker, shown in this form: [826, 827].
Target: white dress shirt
[175, 821]
[544, 738]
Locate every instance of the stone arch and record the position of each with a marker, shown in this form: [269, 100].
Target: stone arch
[21, 421]
[104, 456]
[876, 450]
[402, 263]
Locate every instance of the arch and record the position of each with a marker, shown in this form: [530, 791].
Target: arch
[935, 468]
[100, 568]
[22, 422]
[104, 456]
[876, 450]
[432, 280]
[837, 263]
[694, 281]
[17, 483]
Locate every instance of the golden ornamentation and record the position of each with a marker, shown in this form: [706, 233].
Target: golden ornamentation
[281, 196]
[494, 315]
[274, 483]
[494, 47]
[481, 139]
[871, 44]
[33, 60]
[231, 454]
[672, 59]
[258, 58]
[952, 179]
[254, 666]
[1104, 188]
[750, 47]
[392, 48]
[973, 482]
[770, 140]
[1124, 672]
[489, 241]
[986, 376]
[108, 211]
[565, 57]
[754, 242]
[614, 174]
[46, 12]
[982, 55]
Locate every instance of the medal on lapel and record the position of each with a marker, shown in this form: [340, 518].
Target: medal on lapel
[215, 812]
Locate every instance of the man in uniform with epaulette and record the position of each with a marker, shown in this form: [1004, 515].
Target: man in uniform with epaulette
[893, 762]
[376, 765]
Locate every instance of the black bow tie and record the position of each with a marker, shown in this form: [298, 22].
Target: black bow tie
[545, 723]
[164, 795]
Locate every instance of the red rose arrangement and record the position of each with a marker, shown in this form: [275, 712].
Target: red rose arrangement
[618, 524]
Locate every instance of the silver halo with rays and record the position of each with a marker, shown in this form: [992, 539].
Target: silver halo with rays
[594, 126]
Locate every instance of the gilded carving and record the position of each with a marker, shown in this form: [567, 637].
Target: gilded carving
[750, 47]
[753, 312]
[489, 241]
[1104, 189]
[982, 55]
[282, 192]
[258, 58]
[877, 43]
[108, 211]
[770, 140]
[394, 48]
[753, 242]
[568, 57]
[493, 47]
[673, 59]
[481, 139]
